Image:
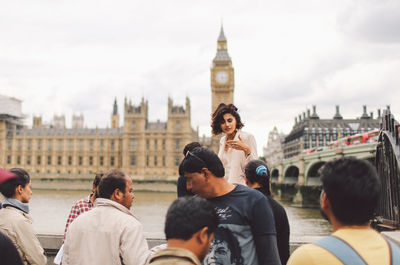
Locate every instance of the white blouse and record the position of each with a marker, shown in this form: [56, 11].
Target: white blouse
[235, 161]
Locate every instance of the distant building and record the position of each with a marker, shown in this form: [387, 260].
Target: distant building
[310, 131]
[273, 152]
[141, 147]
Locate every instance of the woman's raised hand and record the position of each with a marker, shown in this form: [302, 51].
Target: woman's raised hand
[239, 145]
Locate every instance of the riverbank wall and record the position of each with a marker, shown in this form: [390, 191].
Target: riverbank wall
[85, 183]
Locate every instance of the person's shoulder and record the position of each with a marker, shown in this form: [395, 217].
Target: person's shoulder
[276, 205]
[243, 190]
[82, 201]
[311, 254]
[14, 214]
[245, 135]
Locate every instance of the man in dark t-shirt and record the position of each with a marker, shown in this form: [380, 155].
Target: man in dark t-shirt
[246, 230]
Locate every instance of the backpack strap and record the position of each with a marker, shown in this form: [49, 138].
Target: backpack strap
[394, 252]
[342, 250]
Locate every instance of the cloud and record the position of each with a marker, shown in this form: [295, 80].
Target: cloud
[372, 21]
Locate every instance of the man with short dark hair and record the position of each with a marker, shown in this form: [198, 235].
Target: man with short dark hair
[181, 183]
[189, 229]
[246, 224]
[348, 200]
[84, 204]
[109, 233]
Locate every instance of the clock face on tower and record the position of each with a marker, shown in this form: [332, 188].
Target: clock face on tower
[222, 77]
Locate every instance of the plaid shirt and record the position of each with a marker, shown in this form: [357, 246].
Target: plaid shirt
[79, 207]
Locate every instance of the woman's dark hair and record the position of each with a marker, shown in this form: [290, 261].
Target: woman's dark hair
[8, 187]
[218, 117]
[256, 171]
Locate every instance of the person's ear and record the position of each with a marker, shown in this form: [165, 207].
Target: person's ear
[19, 189]
[203, 236]
[117, 194]
[207, 173]
[325, 204]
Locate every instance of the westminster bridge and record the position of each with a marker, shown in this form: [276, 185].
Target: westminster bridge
[296, 179]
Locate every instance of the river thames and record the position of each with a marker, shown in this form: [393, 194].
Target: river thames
[50, 209]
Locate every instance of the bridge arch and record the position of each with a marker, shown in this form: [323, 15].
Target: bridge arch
[291, 175]
[312, 173]
[274, 175]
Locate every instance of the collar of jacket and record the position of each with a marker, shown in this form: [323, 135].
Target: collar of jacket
[100, 202]
[17, 204]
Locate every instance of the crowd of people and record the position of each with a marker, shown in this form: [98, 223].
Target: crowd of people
[225, 213]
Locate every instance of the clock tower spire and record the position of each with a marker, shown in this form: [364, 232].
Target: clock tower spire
[222, 74]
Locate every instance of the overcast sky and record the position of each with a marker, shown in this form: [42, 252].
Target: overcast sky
[69, 56]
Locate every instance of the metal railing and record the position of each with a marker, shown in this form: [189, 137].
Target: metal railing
[387, 162]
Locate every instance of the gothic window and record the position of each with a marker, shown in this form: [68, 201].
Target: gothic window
[18, 160]
[155, 160]
[155, 144]
[177, 144]
[80, 160]
[8, 159]
[177, 160]
[91, 160]
[112, 161]
[147, 160]
[133, 161]
[163, 144]
[101, 160]
[80, 145]
[28, 160]
[91, 144]
[48, 160]
[29, 145]
[49, 142]
[9, 145]
[133, 145]
[39, 158]
[101, 145]
[19, 146]
[60, 144]
[147, 144]
[70, 145]
[69, 160]
[59, 160]
[112, 145]
[163, 161]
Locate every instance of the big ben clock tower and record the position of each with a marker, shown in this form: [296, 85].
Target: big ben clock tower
[222, 79]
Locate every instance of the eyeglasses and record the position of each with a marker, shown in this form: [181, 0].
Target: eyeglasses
[188, 153]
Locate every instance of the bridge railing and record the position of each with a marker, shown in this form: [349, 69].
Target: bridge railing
[387, 162]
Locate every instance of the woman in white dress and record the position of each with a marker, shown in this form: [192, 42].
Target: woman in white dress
[236, 147]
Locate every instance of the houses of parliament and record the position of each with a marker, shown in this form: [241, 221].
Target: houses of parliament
[141, 148]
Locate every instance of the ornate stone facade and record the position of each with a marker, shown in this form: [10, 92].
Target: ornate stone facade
[310, 131]
[141, 148]
[273, 152]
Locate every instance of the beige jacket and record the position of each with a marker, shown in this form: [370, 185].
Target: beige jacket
[107, 234]
[174, 256]
[235, 161]
[17, 225]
